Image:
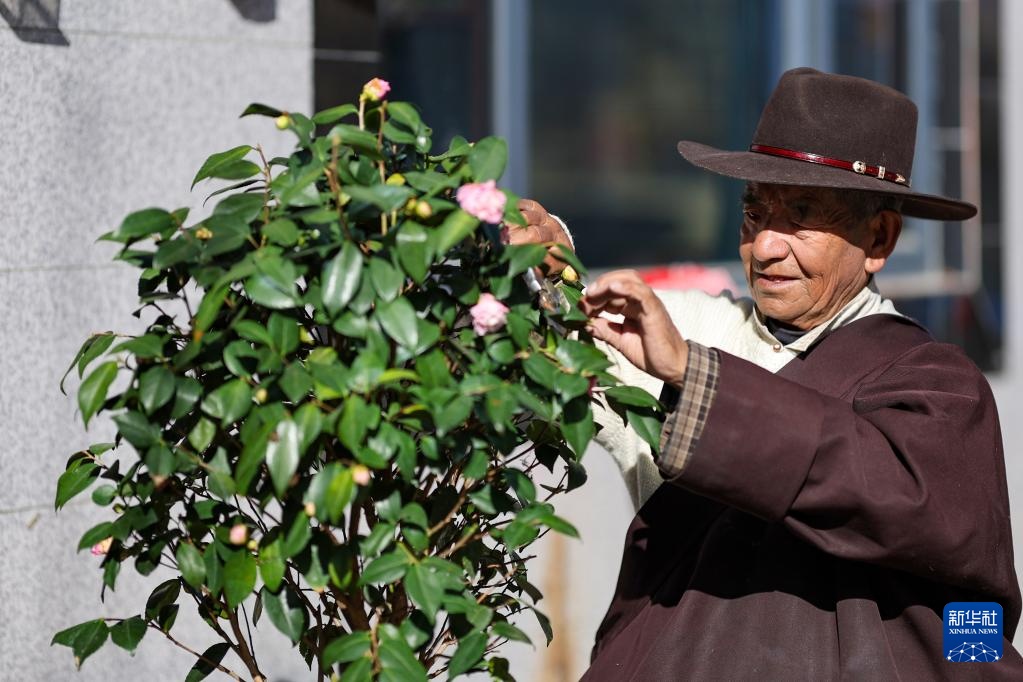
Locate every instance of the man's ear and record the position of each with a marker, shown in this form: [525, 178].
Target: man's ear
[884, 230]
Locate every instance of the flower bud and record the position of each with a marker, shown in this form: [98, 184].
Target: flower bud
[360, 474]
[395, 180]
[569, 274]
[239, 534]
[204, 233]
[305, 337]
[282, 121]
[102, 547]
[252, 545]
[310, 509]
[261, 395]
[423, 209]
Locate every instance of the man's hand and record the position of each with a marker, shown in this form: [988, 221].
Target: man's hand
[647, 337]
[541, 228]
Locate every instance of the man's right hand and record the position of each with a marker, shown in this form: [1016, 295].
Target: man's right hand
[541, 228]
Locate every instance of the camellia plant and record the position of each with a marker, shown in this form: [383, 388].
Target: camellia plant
[345, 385]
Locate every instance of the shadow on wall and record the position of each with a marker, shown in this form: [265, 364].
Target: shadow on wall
[254, 10]
[34, 21]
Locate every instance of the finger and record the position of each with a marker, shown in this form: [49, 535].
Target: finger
[605, 330]
[530, 205]
[524, 235]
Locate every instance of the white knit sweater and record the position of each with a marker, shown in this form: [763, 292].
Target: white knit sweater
[722, 322]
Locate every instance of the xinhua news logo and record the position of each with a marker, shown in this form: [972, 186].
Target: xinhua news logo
[973, 632]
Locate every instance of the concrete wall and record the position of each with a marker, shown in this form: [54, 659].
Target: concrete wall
[107, 107]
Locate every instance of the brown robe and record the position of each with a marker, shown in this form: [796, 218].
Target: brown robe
[825, 518]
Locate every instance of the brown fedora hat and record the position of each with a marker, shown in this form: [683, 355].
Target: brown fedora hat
[825, 130]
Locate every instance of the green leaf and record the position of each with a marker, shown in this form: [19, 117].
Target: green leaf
[156, 387]
[398, 319]
[456, 227]
[281, 231]
[144, 223]
[170, 252]
[223, 165]
[631, 395]
[488, 158]
[458, 147]
[207, 664]
[567, 255]
[328, 116]
[98, 532]
[431, 182]
[517, 534]
[352, 426]
[271, 564]
[387, 198]
[186, 395]
[426, 589]
[361, 140]
[251, 330]
[202, 434]
[385, 569]
[219, 476]
[360, 670]
[93, 391]
[128, 633]
[330, 491]
[79, 475]
[191, 565]
[209, 307]
[577, 424]
[510, 632]
[560, 525]
[282, 455]
[237, 211]
[93, 347]
[239, 577]
[137, 429]
[214, 569]
[397, 661]
[258, 109]
[340, 278]
[310, 423]
[266, 291]
[84, 639]
[345, 649]
[295, 382]
[386, 278]
[229, 402]
[286, 612]
[162, 596]
[413, 250]
[468, 654]
[145, 346]
[523, 256]
[298, 536]
[647, 424]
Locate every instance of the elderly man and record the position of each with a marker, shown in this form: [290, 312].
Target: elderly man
[829, 476]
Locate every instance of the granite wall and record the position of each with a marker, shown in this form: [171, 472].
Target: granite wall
[107, 107]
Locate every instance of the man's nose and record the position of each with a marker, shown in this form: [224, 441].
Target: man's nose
[770, 244]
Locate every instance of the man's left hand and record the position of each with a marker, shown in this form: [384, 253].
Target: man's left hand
[647, 337]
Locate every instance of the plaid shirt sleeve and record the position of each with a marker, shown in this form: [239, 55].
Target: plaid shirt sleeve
[686, 409]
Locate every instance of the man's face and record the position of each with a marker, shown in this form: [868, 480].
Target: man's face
[803, 251]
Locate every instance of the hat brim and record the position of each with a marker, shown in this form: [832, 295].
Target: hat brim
[754, 167]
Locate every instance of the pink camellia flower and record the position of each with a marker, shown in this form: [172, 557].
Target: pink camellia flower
[376, 89]
[482, 200]
[239, 534]
[102, 547]
[488, 315]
